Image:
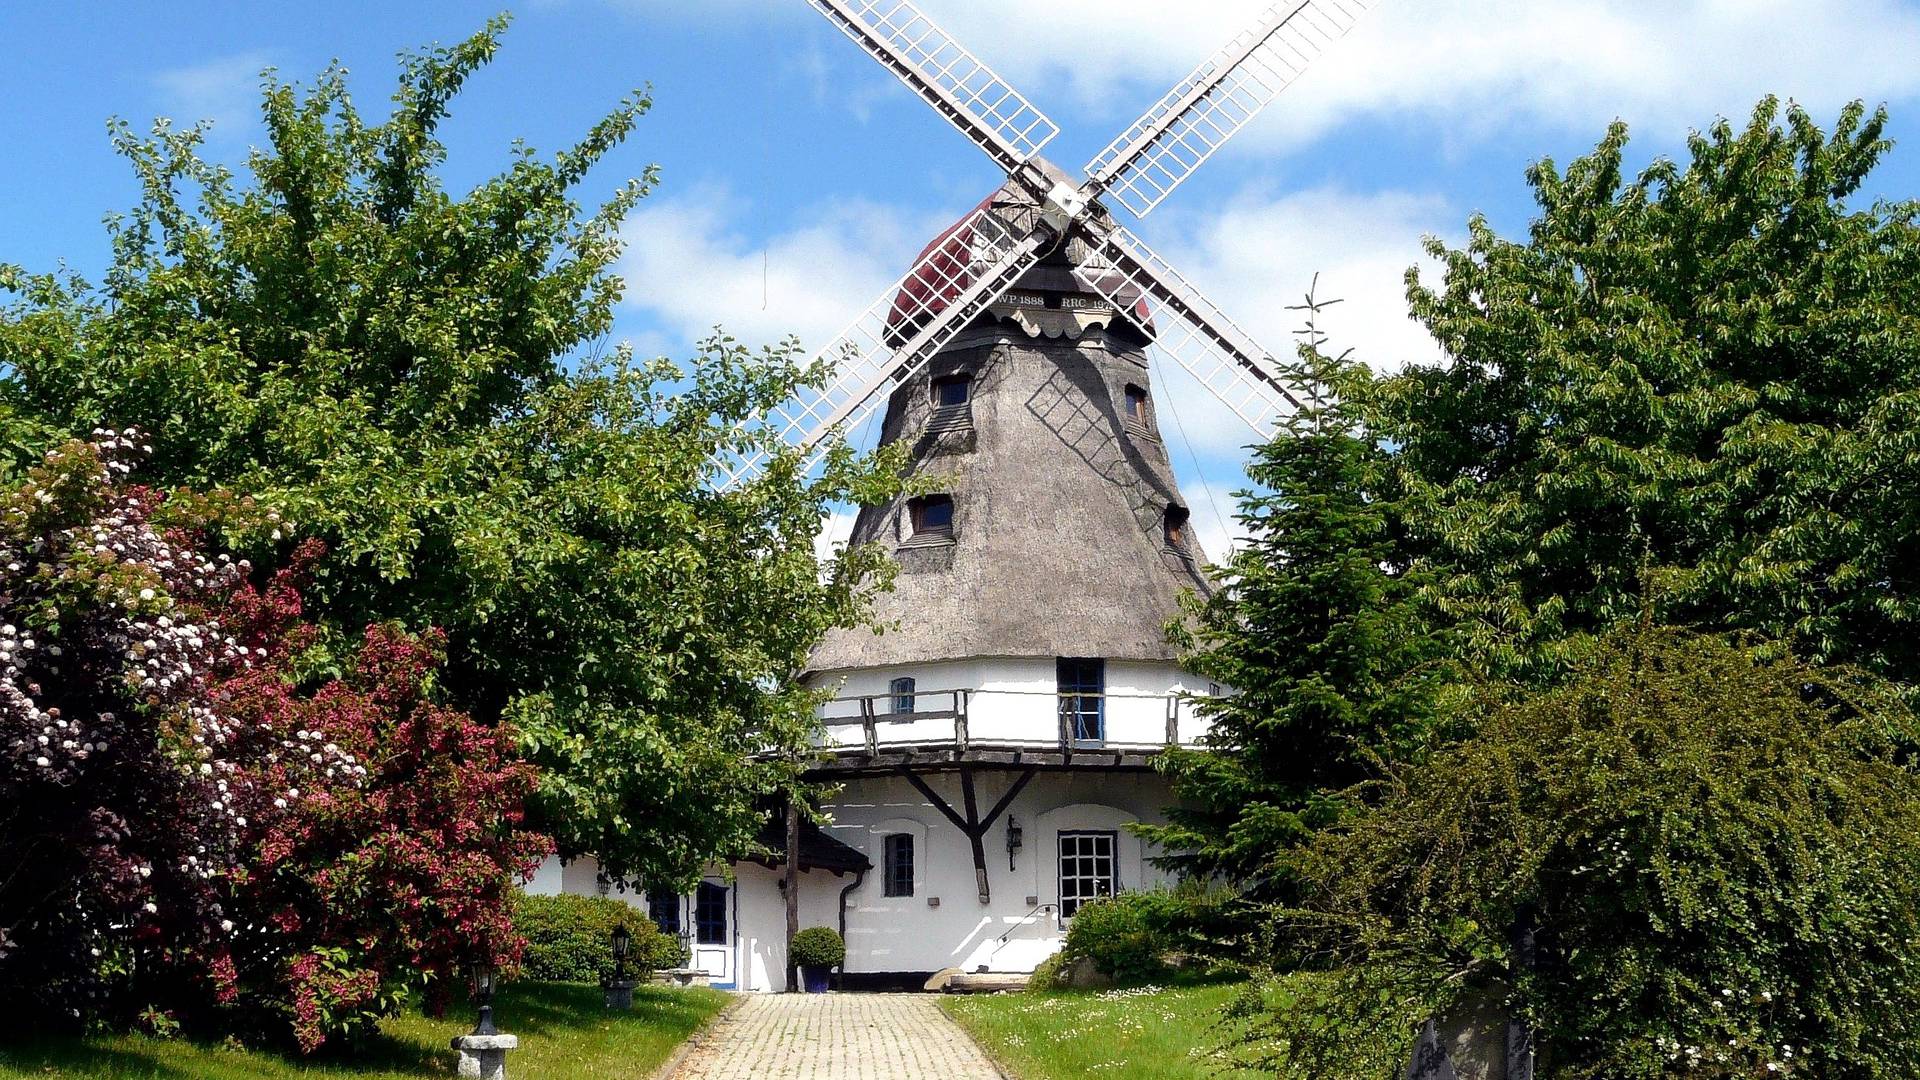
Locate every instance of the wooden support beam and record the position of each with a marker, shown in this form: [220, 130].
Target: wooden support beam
[1006, 800]
[975, 837]
[933, 797]
[972, 825]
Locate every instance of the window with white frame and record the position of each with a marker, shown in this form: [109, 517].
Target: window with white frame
[1087, 869]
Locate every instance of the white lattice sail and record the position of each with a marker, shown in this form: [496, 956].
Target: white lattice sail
[956, 279]
[1190, 331]
[1197, 117]
[959, 85]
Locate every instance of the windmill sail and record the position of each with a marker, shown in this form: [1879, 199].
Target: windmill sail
[1197, 117]
[1189, 330]
[960, 87]
[959, 276]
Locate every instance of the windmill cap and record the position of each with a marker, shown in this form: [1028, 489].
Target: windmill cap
[944, 269]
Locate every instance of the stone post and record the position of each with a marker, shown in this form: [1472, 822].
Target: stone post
[484, 1057]
[619, 993]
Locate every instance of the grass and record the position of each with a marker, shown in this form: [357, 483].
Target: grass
[565, 1033]
[1165, 1033]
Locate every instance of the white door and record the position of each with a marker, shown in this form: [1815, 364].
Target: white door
[713, 937]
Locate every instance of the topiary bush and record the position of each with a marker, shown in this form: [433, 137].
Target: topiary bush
[819, 947]
[570, 938]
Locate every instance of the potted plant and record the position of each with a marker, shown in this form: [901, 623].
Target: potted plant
[817, 950]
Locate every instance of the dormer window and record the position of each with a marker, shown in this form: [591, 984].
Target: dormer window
[931, 517]
[1136, 405]
[1176, 528]
[952, 392]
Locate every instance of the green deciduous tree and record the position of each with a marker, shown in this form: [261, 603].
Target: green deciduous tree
[1691, 396]
[1718, 847]
[407, 373]
[1700, 385]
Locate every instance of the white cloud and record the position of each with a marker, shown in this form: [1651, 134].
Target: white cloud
[836, 530]
[691, 265]
[1465, 67]
[1256, 256]
[225, 90]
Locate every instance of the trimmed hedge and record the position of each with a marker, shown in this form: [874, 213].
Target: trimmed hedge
[570, 938]
[1123, 935]
[819, 947]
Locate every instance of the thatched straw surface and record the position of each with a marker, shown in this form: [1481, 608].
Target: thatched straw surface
[1059, 542]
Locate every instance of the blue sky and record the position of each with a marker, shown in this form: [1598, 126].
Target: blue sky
[799, 179]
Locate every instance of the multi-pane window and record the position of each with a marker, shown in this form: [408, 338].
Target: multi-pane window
[1083, 688]
[710, 914]
[901, 691]
[896, 858]
[932, 516]
[664, 909]
[1086, 869]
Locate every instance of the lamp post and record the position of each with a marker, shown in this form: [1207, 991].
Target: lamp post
[483, 1052]
[485, 979]
[622, 945]
[618, 989]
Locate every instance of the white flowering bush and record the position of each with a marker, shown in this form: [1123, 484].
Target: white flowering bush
[129, 797]
[189, 835]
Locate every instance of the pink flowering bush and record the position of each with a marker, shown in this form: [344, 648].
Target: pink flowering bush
[185, 832]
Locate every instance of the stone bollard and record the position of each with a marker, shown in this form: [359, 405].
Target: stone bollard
[619, 993]
[484, 1057]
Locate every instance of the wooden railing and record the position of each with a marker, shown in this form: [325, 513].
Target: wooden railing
[973, 718]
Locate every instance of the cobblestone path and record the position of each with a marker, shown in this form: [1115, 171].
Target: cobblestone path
[835, 1037]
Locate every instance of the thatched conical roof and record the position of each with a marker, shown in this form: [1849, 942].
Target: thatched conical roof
[1061, 497]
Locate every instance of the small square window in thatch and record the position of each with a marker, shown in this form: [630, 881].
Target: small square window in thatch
[1136, 405]
[952, 392]
[1177, 528]
[931, 516]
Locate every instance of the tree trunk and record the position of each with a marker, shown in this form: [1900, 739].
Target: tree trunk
[792, 890]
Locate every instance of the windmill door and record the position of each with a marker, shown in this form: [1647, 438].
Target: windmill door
[713, 944]
[1083, 701]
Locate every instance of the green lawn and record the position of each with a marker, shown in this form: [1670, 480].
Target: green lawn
[1168, 1034]
[565, 1034]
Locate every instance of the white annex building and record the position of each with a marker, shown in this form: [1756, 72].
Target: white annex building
[995, 739]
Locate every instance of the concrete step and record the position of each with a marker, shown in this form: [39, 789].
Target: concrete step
[987, 982]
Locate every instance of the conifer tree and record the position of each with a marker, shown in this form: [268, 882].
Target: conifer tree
[1317, 633]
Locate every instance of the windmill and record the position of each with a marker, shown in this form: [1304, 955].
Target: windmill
[1024, 683]
[1042, 210]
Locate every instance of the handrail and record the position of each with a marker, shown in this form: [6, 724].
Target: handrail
[1021, 923]
[872, 710]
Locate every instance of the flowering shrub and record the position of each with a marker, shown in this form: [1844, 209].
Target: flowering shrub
[123, 800]
[380, 882]
[184, 832]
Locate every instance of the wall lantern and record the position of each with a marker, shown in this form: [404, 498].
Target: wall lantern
[485, 979]
[1015, 838]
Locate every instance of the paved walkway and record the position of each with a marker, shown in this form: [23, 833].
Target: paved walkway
[835, 1037]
